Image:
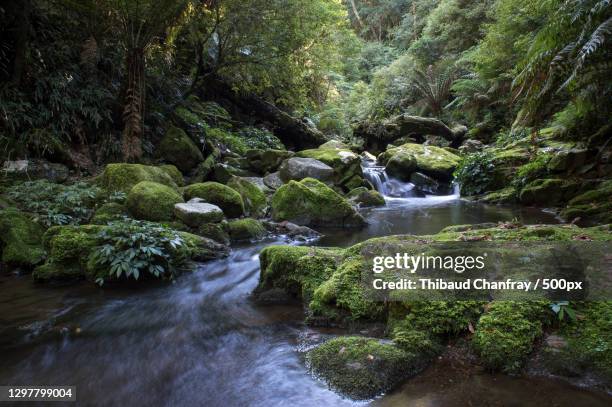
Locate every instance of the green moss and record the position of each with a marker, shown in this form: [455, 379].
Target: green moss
[232, 141]
[226, 198]
[122, 177]
[21, 239]
[593, 206]
[362, 368]
[296, 270]
[310, 202]
[266, 161]
[430, 160]
[346, 164]
[441, 318]
[543, 192]
[174, 173]
[177, 148]
[215, 231]
[152, 201]
[401, 165]
[254, 199]
[246, 229]
[506, 195]
[108, 212]
[344, 291]
[366, 197]
[506, 333]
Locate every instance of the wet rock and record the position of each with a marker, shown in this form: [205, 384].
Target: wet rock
[291, 230]
[196, 213]
[366, 197]
[297, 169]
[430, 185]
[401, 166]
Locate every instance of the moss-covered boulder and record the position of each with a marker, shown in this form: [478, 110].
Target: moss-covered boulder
[366, 197]
[266, 161]
[310, 202]
[430, 160]
[544, 192]
[226, 198]
[246, 229]
[254, 199]
[503, 196]
[108, 212]
[177, 148]
[363, 368]
[345, 163]
[401, 165]
[215, 231]
[174, 173]
[152, 201]
[591, 207]
[122, 177]
[21, 239]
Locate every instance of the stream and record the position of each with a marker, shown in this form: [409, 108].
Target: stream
[202, 341]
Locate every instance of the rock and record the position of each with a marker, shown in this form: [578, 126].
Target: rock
[471, 146]
[503, 196]
[346, 164]
[177, 148]
[265, 161]
[228, 199]
[152, 201]
[246, 229]
[21, 239]
[310, 202]
[273, 181]
[216, 231]
[568, 160]
[122, 177]
[432, 161]
[363, 368]
[254, 199]
[291, 230]
[367, 156]
[222, 173]
[430, 185]
[591, 207]
[401, 165]
[299, 168]
[174, 173]
[366, 197]
[543, 192]
[108, 213]
[195, 214]
[30, 170]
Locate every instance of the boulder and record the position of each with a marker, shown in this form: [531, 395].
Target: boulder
[226, 198]
[215, 231]
[246, 229]
[291, 230]
[366, 197]
[273, 181]
[430, 185]
[21, 239]
[593, 206]
[30, 170]
[568, 160]
[122, 177]
[551, 192]
[177, 148]
[363, 368]
[195, 213]
[174, 173]
[297, 169]
[222, 173]
[108, 212]
[152, 201]
[310, 202]
[401, 165]
[254, 199]
[345, 163]
[265, 161]
[432, 161]
[471, 146]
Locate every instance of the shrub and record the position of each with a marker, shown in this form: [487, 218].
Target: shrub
[260, 138]
[56, 204]
[475, 173]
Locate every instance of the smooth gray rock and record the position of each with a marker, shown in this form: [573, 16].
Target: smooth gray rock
[299, 168]
[196, 213]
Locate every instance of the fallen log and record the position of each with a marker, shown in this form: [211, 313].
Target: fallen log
[295, 133]
[377, 135]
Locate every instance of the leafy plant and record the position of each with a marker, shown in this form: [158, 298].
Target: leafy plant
[260, 138]
[475, 173]
[56, 204]
[563, 310]
[134, 249]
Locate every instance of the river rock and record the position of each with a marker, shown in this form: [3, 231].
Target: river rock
[429, 185]
[297, 169]
[265, 161]
[196, 213]
[430, 160]
[291, 230]
[273, 181]
[29, 170]
[345, 163]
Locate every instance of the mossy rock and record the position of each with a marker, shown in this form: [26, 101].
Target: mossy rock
[366, 197]
[122, 177]
[591, 207]
[254, 199]
[246, 229]
[310, 202]
[430, 160]
[215, 231]
[504, 196]
[152, 201]
[177, 148]
[363, 368]
[108, 212]
[401, 165]
[543, 192]
[266, 161]
[345, 163]
[21, 239]
[174, 173]
[226, 198]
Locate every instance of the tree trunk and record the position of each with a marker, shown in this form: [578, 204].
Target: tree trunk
[21, 40]
[133, 106]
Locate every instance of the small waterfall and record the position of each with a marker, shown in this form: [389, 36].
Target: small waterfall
[394, 188]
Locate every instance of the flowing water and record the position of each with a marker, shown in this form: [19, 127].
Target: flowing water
[202, 341]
